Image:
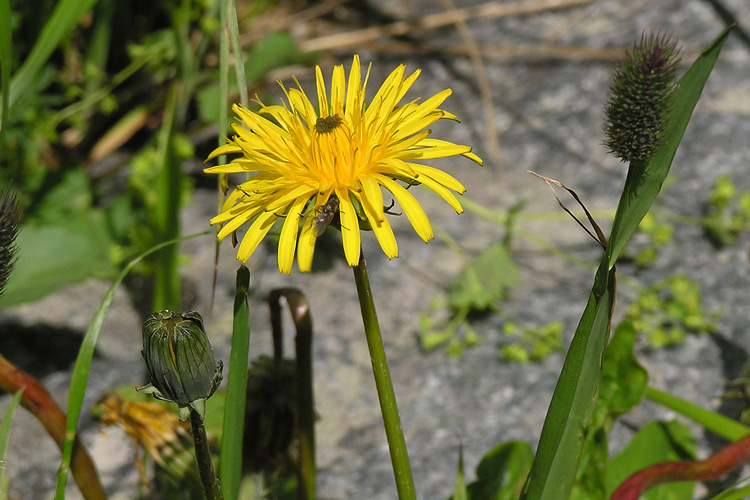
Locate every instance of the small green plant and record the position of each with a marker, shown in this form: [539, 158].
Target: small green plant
[531, 343]
[667, 311]
[728, 212]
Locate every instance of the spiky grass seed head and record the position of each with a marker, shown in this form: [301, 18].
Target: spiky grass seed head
[640, 98]
[10, 225]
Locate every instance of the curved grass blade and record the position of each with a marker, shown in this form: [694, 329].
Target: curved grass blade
[230, 462]
[66, 15]
[5, 63]
[83, 363]
[4, 437]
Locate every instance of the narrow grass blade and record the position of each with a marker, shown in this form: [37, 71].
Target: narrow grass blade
[82, 366]
[65, 17]
[5, 437]
[574, 399]
[5, 63]
[644, 181]
[715, 422]
[230, 463]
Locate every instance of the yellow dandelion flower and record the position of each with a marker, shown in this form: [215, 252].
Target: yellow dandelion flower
[306, 165]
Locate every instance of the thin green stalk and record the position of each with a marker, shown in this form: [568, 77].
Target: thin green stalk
[386, 396]
[239, 67]
[210, 482]
[230, 463]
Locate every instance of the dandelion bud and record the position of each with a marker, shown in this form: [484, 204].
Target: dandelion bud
[10, 225]
[640, 98]
[180, 361]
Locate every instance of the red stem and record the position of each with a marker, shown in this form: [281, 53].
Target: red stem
[38, 401]
[718, 464]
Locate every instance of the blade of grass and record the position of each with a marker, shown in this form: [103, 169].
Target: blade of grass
[65, 17]
[167, 217]
[574, 399]
[82, 366]
[230, 462]
[5, 426]
[239, 67]
[715, 422]
[5, 62]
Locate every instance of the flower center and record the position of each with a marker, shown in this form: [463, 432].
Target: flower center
[333, 152]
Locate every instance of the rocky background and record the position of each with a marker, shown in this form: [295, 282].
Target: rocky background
[547, 117]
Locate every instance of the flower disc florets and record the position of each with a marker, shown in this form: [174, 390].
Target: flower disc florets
[299, 157]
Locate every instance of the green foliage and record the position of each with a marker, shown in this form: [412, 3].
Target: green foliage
[655, 442]
[480, 286]
[670, 309]
[728, 213]
[501, 472]
[5, 426]
[531, 344]
[622, 389]
[658, 233]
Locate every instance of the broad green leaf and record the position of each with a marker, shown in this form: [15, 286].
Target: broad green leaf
[501, 472]
[644, 181]
[484, 280]
[67, 14]
[53, 256]
[655, 442]
[274, 51]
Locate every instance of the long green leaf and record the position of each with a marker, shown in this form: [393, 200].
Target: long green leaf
[715, 422]
[574, 399]
[644, 181]
[67, 14]
[83, 363]
[230, 463]
[4, 438]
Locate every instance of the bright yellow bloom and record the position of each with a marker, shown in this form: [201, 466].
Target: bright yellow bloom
[299, 158]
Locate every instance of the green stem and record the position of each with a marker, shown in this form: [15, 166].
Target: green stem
[386, 396]
[203, 458]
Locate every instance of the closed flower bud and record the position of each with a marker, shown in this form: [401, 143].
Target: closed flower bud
[640, 98]
[180, 361]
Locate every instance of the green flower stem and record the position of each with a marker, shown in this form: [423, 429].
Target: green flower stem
[203, 457]
[388, 407]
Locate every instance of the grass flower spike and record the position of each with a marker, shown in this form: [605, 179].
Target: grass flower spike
[299, 159]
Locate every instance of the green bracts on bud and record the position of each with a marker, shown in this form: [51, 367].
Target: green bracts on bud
[640, 98]
[180, 361]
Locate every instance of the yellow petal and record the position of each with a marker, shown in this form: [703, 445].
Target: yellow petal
[410, 205]
[306, 245]
[438, 175]
[338, 89]
[442, 192]
[322, 99]
[349, 229]
[353, 89]
[380, 226]
[255, 235]
[226, 149]
[288, 237]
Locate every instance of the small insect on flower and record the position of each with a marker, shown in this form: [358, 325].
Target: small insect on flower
[325, 215]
